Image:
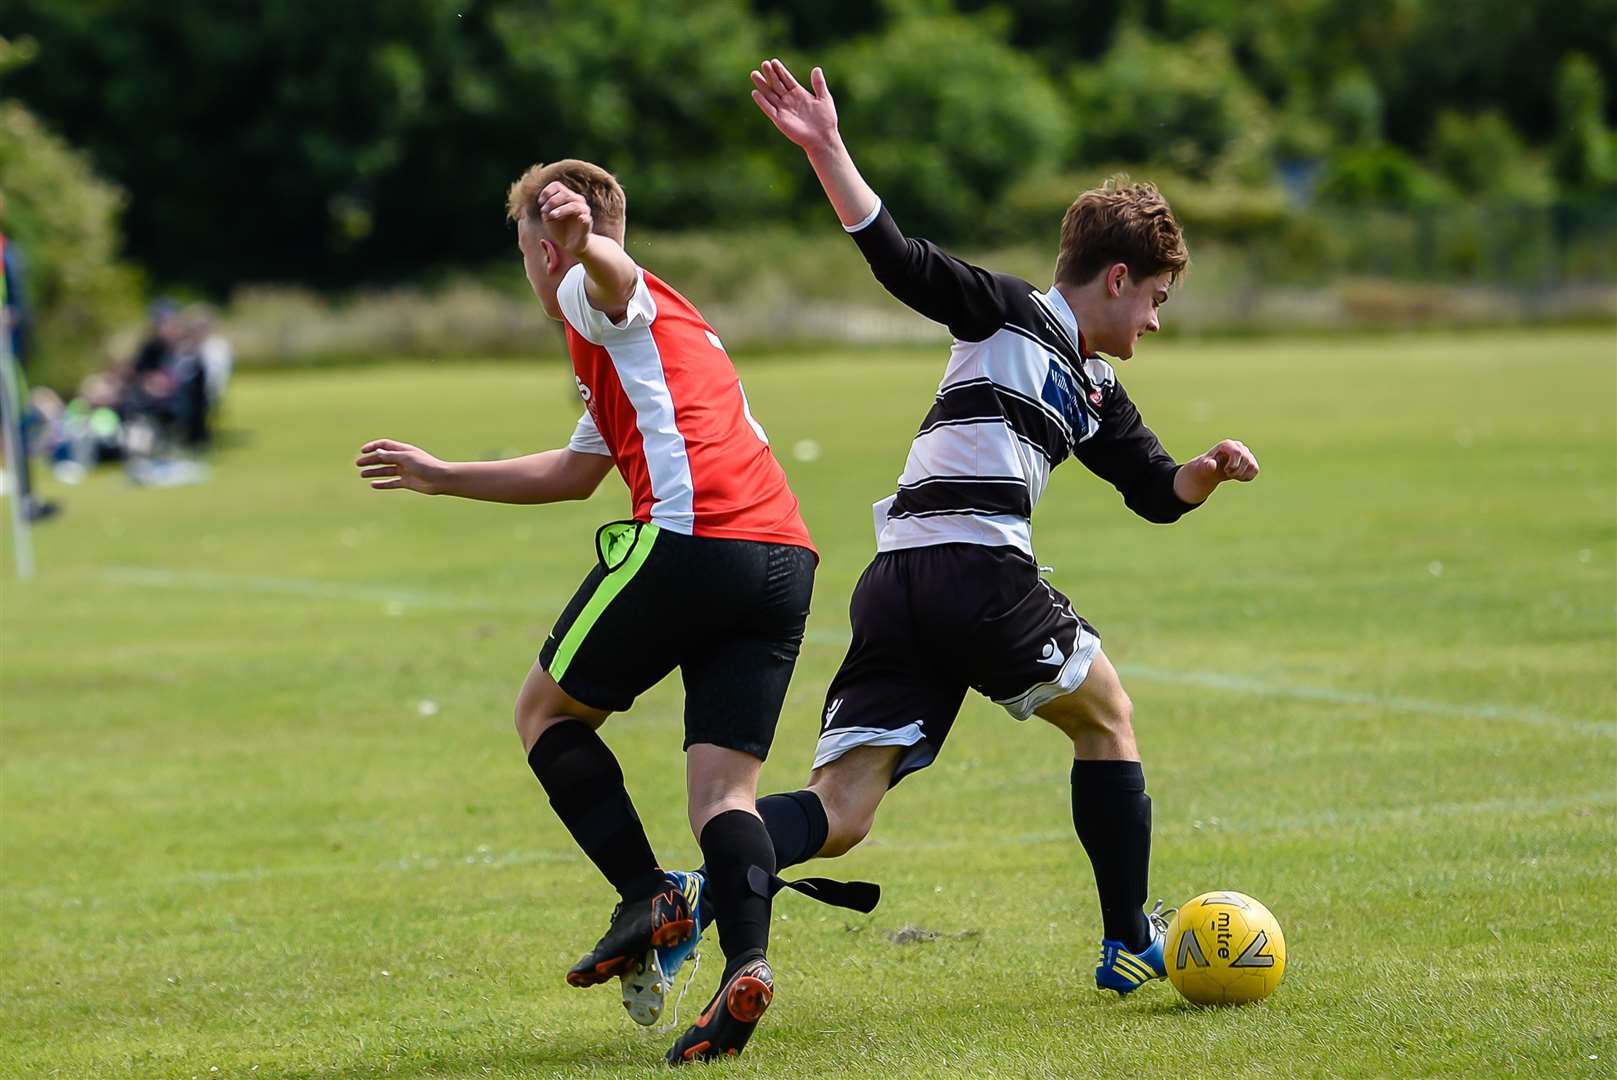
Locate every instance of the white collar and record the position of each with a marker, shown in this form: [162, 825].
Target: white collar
[1069, 319]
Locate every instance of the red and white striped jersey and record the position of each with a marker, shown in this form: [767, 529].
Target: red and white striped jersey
[664, 402]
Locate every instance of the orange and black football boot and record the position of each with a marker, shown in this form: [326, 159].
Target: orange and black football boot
[726, 1024]
[638, 926]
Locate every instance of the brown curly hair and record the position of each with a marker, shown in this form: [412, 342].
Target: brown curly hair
[599, 188]
[1120, 222]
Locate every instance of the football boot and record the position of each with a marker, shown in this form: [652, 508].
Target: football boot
[646, 986]
[726, 1024]
[1125, 971]
[662, 920]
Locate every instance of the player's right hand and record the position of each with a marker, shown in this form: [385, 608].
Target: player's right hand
[567, 217]
[389, 464]
[808, 119]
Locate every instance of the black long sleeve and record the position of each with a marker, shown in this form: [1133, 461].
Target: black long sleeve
[1129, 456]
[970, 301]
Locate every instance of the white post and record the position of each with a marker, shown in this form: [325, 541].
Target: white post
[22, 545]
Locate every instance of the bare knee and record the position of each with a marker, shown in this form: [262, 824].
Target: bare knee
[541, 705]
[718, 780]
[850, 795]
[1098, 716]
[845, 829]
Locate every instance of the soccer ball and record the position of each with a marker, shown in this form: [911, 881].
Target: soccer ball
[1224, 948]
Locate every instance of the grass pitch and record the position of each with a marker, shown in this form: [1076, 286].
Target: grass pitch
[264, 813]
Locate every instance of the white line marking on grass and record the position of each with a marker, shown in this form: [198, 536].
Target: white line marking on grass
[1240, 684]
[1482, 711]
[1334, 820]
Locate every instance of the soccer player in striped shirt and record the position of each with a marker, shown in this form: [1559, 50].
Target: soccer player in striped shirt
[712, 575]
[954, 600]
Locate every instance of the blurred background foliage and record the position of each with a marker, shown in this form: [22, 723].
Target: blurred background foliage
[367, 144]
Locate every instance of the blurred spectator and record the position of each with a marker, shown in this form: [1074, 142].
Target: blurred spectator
[205, 360]
[84, 432]
[152, 403]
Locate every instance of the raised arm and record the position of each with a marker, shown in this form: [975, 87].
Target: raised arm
[810, 121]
[969, 300]
[551, 476]
[610, 275]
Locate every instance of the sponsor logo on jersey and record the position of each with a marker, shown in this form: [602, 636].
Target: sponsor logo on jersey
[1063, 393]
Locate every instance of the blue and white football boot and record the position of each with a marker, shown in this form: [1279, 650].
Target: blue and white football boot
[1126, 971]
[645, 987]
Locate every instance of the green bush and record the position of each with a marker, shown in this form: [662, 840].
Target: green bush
[943, 117]
[1379, 174]
[65, 220]
[1482, 156]
[1186, 106]
[1584, 152]
[1226, 209]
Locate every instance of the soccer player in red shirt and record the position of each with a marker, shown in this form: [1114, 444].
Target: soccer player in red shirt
[712, 575]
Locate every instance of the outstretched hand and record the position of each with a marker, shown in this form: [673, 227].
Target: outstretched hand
[808, 119]
[1229, 460]
[389, 464]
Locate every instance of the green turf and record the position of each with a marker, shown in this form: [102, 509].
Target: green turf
[264, 812]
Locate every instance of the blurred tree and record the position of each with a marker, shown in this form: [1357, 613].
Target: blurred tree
[1482, 155]
[1584, 158]
[65, 219]
[943, 116]
[816, 24]
[371, 139]
[656, 92]
[1061, 31]
[1379, 174]
[1182, 105]
[375, 138]
[1354, 108]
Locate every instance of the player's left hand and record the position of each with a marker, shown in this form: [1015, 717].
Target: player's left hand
[1234, 461]
[567, 217]
[1229, 460]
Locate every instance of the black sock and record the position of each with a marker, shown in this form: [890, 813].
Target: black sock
[1112, 814]
[585, 785]
[797, 826]
[733, 843]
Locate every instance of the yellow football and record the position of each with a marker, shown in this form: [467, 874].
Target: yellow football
[1224, 948]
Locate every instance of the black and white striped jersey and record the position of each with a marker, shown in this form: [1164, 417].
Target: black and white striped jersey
[1021, 394]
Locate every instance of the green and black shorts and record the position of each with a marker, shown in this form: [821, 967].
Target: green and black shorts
[729, 614]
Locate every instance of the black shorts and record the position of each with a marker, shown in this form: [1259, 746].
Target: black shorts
[930, 623]
[728, 613]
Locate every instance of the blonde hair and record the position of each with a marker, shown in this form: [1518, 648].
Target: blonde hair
[1120, 222]
[599, 188]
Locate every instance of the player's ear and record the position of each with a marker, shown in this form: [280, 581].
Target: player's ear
[552, 255]
[1116, 274]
